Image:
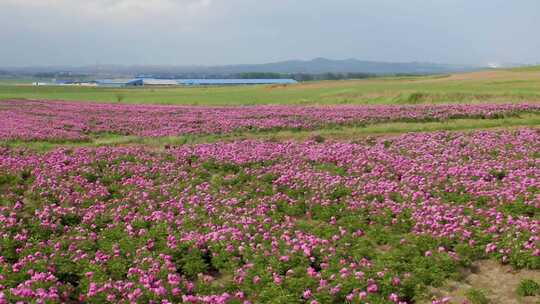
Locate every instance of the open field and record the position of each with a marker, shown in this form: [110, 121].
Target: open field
[60, 121]
[380, 220]
[487, 86]
[336, 133]
[399, 197]
[46, 125]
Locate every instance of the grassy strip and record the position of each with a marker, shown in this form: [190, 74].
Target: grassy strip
[335, 133]
[355, 93]
[492, 86]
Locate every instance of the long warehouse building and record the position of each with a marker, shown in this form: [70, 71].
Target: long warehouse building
[188, 82]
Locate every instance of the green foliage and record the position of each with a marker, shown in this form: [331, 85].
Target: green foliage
[340, 192]
[117, 268]
[67, 271]
[387, 144]
[191, 261]
[7, 179]
[477, 296]
[528, 288]
[292, 209]
[269, 178]
[70, 220]
[498, 174]
[519, 208]
[318, 138]
[332, 168]
[8, 249]
[224, 168]
[521, 259]
[413, 98]
[119, 97]
[468, 253]
[274, 294]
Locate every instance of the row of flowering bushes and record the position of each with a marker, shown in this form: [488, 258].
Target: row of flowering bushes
[61, 121]
[264, 222]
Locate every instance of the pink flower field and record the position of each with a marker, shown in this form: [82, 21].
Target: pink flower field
[376, 221]
[75, 121]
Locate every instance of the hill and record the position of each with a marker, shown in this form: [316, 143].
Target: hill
[314, 66]
[324, 65]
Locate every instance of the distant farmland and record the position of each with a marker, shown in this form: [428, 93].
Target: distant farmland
[487, 86]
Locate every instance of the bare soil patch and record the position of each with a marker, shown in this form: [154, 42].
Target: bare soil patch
[498, 282]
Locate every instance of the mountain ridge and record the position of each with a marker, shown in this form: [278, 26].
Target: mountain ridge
[317, 65]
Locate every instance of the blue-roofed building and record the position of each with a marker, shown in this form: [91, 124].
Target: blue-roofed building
[119, 83]
[159, 82]
[233, 81]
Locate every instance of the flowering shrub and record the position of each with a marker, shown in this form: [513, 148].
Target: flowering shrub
[61, 121]
[266, 222]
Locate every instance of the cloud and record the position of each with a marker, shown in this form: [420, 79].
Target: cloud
[242, 31]
[98, 7]
[61, 14]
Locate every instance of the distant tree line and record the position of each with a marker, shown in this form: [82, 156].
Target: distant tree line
[68, 75]
[304, 76]
[330, 76]
[266, 75]
[260, 75]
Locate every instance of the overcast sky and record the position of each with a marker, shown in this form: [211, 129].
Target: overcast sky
[209, 32]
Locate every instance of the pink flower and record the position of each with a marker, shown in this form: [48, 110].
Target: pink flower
[284, 258]
[362, 295]
[491, 247]
[311, 272]
[372, 288]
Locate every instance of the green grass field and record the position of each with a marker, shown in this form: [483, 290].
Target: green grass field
[348, 133]
[514, 85]
[488, 86]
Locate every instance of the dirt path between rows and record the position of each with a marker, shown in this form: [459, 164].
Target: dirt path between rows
[498, 282]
